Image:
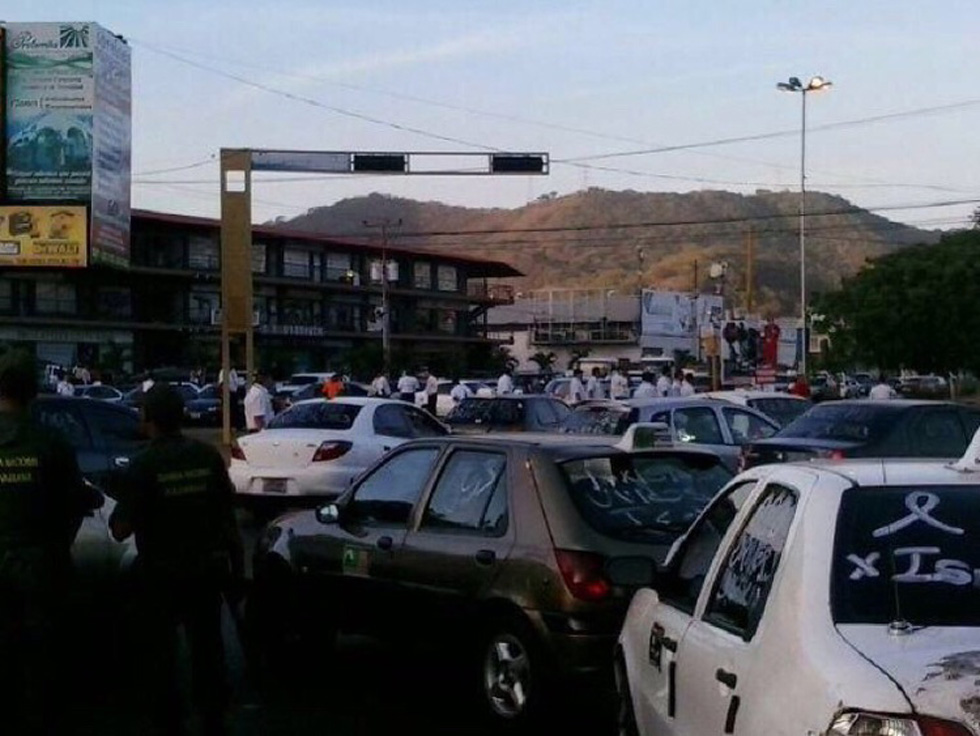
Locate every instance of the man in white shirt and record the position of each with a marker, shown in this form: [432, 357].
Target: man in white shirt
[687, 388]
[505, 384]
[431, 391]
[408, 385]
[646, 389]
[594, 388]
[459, 392]
[147, 383]
[380, 385]
[664, 382]
[64, 388]
[882, 389]
[619, 385]
[258, 404]
[576, 389]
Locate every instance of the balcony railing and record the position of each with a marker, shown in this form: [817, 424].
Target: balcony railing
[555, 335]
[496, 293]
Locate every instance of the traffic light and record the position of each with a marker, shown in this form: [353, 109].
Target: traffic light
[380, 163]
[509, 163]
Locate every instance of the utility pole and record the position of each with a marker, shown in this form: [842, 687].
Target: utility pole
[383, 226]
[749, 267]
[639, 269]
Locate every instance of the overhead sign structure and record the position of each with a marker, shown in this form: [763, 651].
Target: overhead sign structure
[389, 162]
[43, 236]
[68, 125]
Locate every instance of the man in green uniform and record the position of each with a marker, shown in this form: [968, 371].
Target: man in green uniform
[176, 498]
[42, 501]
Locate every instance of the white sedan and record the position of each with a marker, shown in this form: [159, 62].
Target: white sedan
[317, 447]
[825, 598]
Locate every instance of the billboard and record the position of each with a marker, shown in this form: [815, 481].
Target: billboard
[43, 236]
[68, 109]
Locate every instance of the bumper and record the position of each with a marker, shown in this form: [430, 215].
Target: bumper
[285, 482]
[578, 648]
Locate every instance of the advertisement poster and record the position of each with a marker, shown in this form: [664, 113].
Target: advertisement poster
[43, 236]
[49, 110]
[111, 153]
[667, 314]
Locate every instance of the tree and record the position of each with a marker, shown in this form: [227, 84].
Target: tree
[975, 218]
[545, 361]
[915, 308]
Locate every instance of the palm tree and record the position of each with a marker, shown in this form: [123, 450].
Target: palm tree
[544, 360]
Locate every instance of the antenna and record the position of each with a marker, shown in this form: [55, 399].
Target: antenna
[899, 626]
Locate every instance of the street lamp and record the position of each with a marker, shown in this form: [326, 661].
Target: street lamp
[795, 85]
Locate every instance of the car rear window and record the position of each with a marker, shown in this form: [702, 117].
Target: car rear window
[318, 415]
[488, 411]
[643, 496]
[783, 411]
[907, 553]
[596, 420]
[847, 422]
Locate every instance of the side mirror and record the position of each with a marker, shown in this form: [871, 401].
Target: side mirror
[632, 572]
[329, 514]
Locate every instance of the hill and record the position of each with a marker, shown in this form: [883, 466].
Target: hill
[618, 240]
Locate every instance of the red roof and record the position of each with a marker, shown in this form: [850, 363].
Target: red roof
[476, 267]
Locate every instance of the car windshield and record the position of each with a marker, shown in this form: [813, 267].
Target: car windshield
[907, 553]
[317, 415]
[782, 410]
[209, 392]
[596, 420]
[643, 495]
[846, 422]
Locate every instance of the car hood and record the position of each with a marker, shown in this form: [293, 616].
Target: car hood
[198, 404]
[937, 667]
[804, 443]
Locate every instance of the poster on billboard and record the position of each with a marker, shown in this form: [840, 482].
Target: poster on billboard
[667, 314]
[49, 109]
[43, 236]
[111, 151]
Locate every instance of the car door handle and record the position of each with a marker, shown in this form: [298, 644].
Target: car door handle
[486, 557]
[385, 543]
[120, 462]
[385, 448]
[730, 679]
[666, 642]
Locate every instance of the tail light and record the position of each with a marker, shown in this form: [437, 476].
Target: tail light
[832, 454]
[331, 451]
[236, 452]
[584, 574]
[880, 724]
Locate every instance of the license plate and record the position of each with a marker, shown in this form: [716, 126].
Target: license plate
[274, 485]
[195, 415]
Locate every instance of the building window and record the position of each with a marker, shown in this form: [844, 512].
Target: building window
[202, 253]
[297, 264]
[6, 296]
[115, 301]
[259, 257]
[448, 278]
[55, 298]
[447, 321]
[202, 307]
[299, 312]
[422, 275]
[339, 267]
[160, 251]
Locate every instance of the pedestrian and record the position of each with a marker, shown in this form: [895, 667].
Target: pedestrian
[576, 389]
[594, 388]
[882, 390]
[800, 387]
[505, 384]
[459, 391]
[687, 388]
[431, 391]
[646, 389]
[177, 500]
[380, 385]
[408, 385]
[258, 403]
[334, 386]
[664, 383]
[147, 383]
[675, 385]
[619, 385]
[43, 500]
[64, 387]
[234, 385]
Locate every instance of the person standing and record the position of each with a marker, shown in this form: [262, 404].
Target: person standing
[619, 385]
[459, 392]
[800, 387]
[334, 386]
[594, 388]
[64, 387]
[576, 389]
[43, 500]
[882, 390]
[177, 500]
[431, 391]
[408, 385]
[687, 388]
[258, 404]
[505, 384]
[147, 383]
[380, 385]
[646, 389]
[664, 383]
[234, 385]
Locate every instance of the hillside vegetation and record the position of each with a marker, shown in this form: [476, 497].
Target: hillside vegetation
[619, 240]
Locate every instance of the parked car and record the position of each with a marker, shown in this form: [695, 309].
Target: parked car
[99, 391]
[865, 428]
[513, 413]
[782, 408]
[205, 408]
[817, 598]
[502, 546]
[718, 426]
[602, 417]
[924, 387]
[317, 447]
[299, 380]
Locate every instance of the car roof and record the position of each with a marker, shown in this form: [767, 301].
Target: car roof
[507, 397]
[875, 472]
[354, 400]
[896, 404]
[750, 394]
[672, 402]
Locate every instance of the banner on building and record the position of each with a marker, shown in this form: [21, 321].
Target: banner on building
[43, 236]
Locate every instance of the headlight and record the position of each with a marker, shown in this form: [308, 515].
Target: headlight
[879, 724]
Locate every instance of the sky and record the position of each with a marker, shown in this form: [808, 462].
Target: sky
[644, 95]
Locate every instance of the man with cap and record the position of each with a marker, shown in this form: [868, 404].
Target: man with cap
[176, 498]
[42, 502]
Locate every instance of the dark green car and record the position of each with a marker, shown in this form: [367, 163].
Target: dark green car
[521, 547]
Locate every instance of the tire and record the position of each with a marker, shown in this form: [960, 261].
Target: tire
[515, 680]
[625, 713]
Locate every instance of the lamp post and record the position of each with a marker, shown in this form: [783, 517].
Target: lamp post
[795, 85]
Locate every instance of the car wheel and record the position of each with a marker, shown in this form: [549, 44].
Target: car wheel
[625, 714]
[513, 677]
